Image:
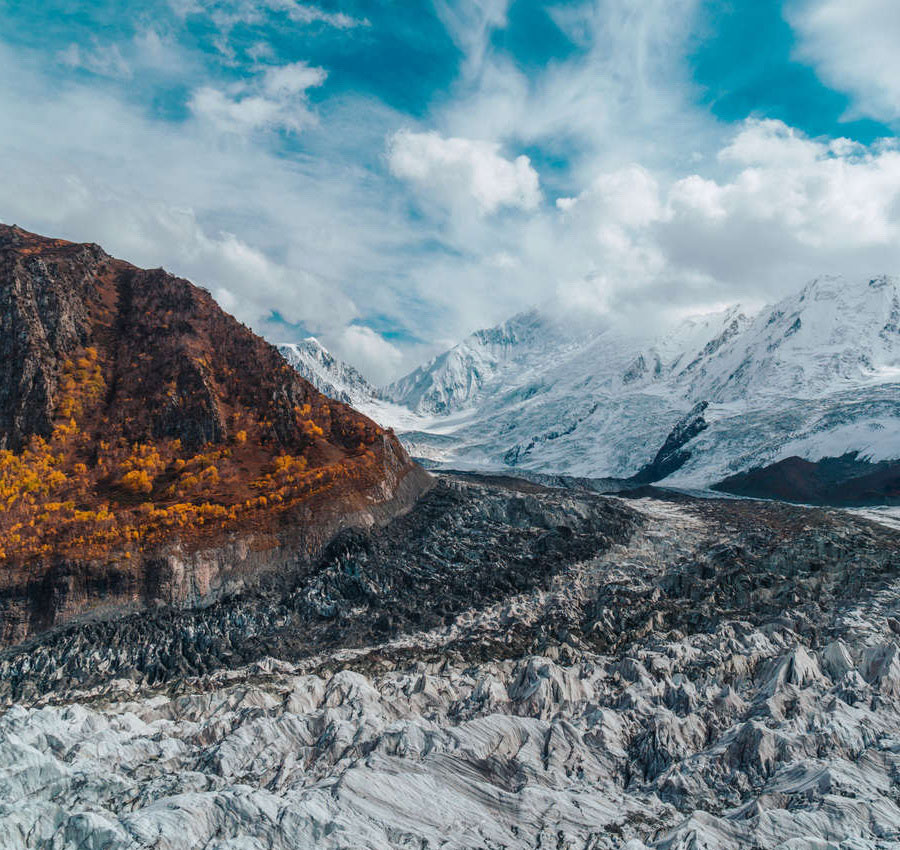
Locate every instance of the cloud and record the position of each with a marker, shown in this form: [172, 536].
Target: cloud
[147, 50]
[770, 210]
[228, 14]
[103, 60]
[853, 47]
[307, 13]
[456, 170]
[276, 99]
[370, 352]
[470, 23]
[594, 181]
[789, 208]
[624, 93]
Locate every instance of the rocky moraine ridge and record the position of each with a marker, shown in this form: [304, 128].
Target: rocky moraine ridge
[506, 665]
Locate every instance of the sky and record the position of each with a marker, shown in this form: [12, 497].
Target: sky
[390, 176]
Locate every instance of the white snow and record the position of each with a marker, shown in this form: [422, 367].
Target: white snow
[815, 375]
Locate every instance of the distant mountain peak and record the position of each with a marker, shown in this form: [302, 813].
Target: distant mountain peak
[328, 374]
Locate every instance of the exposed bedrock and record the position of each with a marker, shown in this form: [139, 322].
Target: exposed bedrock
[45, 593]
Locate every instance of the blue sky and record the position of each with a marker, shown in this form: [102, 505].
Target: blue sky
[393, 175]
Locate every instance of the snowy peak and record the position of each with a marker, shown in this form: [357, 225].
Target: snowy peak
[684, 348]
[830, 334]
[455, 379]
[326, 373]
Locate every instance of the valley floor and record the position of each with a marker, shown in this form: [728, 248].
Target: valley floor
[507, 666]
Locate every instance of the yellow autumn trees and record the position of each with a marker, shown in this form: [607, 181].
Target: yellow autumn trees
[85, 491]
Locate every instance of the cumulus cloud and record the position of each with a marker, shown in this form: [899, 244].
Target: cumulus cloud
[853, 47]
[276, 99]
[789, 208]
[773, 209]
[457, 170]
[370, 352]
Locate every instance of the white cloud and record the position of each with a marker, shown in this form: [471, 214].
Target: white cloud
[370, 352]
[470, 24]
[148, 50]
[309, 13]
[227, 14]
[789, 208]
[774, 208]
[103, 60]
[853, 46]
[456, 170]
[276, 99]
[623, 95]
[661, 208]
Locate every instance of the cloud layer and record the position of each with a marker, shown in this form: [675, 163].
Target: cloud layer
[458, 170]
[271, 152]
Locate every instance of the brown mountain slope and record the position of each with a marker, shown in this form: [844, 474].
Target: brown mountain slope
[138, 420]
[846, 481]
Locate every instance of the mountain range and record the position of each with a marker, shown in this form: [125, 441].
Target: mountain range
[815, 375]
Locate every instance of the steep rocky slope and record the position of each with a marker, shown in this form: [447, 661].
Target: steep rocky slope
[666, 673]
[846, 480]
[152, 448]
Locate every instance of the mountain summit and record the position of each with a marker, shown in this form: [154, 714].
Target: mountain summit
[141, 426]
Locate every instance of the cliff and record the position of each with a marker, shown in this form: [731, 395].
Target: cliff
[153, 449]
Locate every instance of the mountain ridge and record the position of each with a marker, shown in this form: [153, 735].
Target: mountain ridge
[142, 426]
[816, 375]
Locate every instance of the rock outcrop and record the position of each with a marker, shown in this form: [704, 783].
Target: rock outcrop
[154, 450]
[846, 480]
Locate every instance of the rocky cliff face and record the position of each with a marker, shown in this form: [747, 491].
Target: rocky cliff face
[153, 449]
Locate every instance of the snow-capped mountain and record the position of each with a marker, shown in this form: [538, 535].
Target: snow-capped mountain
[831, 335]
[333, 377]
[816, 375]
[455, 379]
[343, 382]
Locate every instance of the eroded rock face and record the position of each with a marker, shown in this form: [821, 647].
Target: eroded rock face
[44, 314]
[154, 450]
[668, 674]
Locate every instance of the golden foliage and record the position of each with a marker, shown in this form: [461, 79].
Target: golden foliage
[84, 495]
